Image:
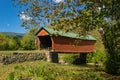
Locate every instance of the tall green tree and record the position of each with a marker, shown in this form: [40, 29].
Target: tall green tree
[28, 42]
[14, 43]
[4, 42]
[81, 16]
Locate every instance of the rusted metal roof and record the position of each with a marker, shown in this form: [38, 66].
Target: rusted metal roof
[51, 31]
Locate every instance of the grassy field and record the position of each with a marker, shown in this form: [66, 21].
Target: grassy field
[41, 70]
[30, 51]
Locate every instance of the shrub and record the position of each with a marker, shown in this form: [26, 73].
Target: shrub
[71, 58]
[113, 64]
[98, 56]
[11, 76]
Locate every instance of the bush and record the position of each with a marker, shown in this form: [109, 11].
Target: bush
[70, 58]
[11, 76]
[113, 64]
[4, 42]
[98, 56]
[14, 43]
[28, 41]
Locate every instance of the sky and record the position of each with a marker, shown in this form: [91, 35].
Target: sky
[9, 21]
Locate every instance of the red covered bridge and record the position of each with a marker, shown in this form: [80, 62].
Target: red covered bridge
[68, 42]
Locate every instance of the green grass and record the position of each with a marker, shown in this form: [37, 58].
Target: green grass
[11, 52]
[41, 70]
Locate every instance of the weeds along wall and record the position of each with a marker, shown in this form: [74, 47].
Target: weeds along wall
[17, 57]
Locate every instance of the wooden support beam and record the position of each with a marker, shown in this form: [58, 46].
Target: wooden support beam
[83, 58]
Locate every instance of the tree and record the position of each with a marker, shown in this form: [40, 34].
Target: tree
[9, 43]
[14, 43]
[28, 40]
[83, 15]
[3, 42]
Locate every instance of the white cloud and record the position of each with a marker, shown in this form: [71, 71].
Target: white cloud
[24, 17]
[57, 1]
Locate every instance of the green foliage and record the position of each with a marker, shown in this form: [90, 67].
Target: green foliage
[9, 43]
[98, 56]
[11, 76]
[3, 42]
[113, 63]
[112, 36]
[70, 58]
[14, 43]
[28, 42]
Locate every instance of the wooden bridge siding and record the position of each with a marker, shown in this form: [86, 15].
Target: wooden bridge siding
[63, 44]
[42, 33]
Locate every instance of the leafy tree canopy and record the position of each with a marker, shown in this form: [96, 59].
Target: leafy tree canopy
[85, 13]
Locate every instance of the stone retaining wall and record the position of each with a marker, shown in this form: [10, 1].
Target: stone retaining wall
[17, 57]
